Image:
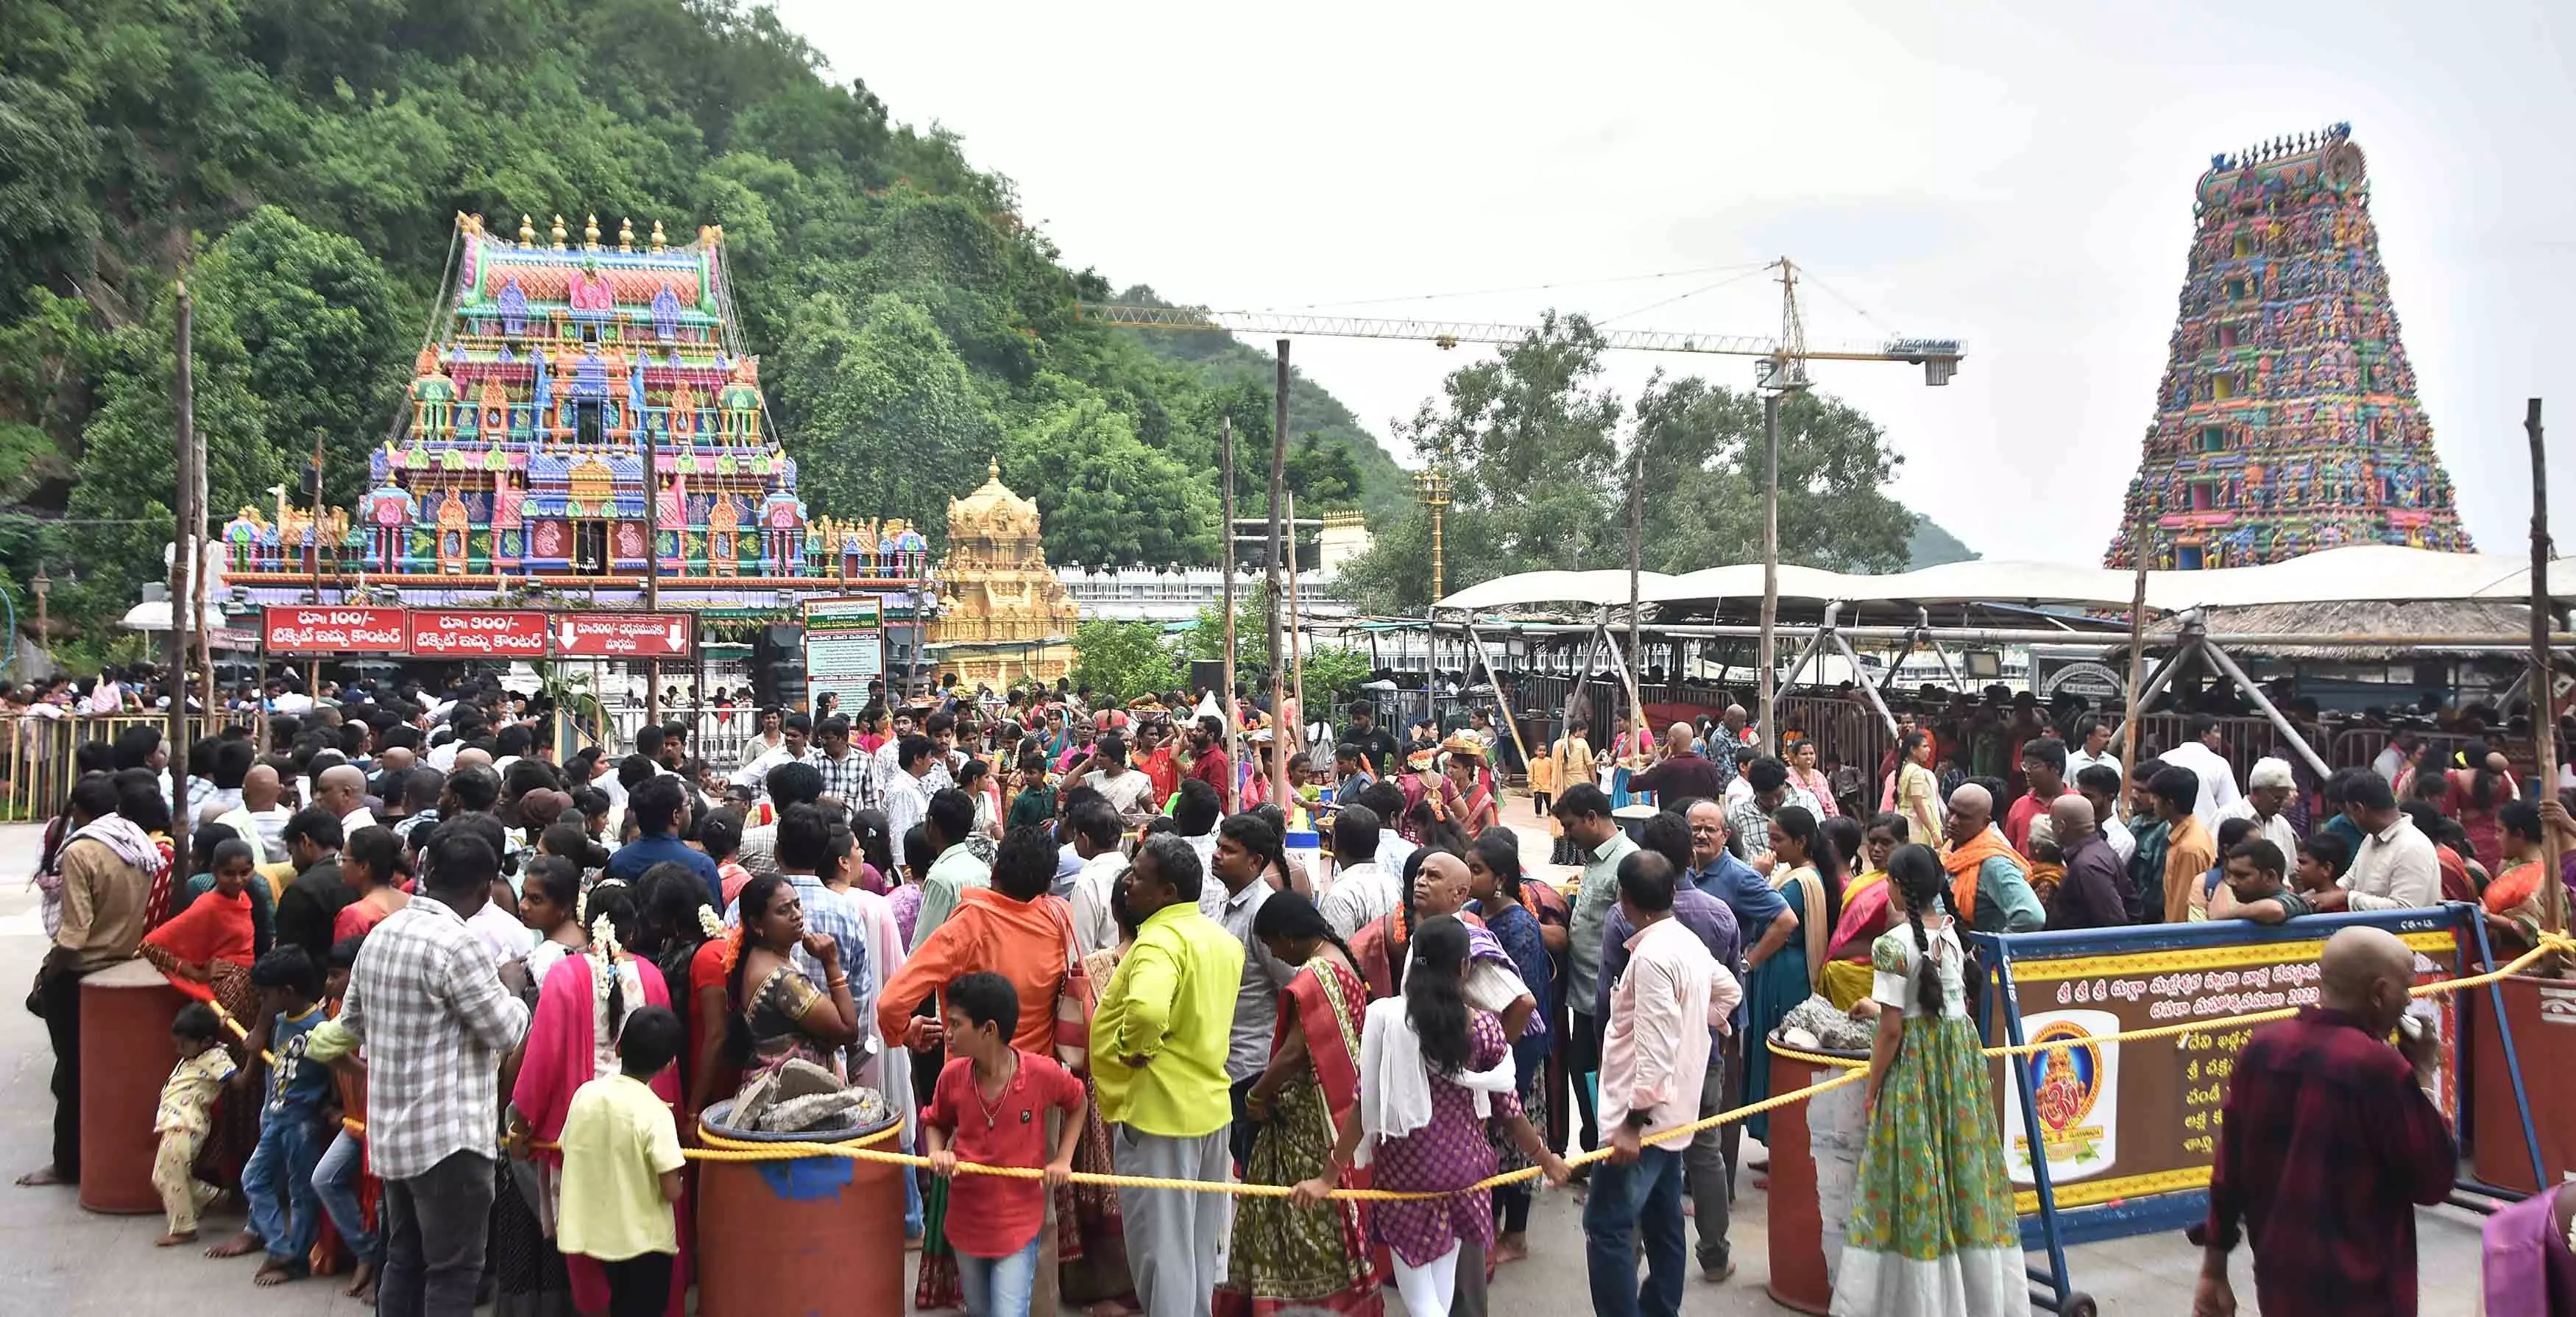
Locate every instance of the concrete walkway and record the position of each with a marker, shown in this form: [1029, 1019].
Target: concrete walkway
[59, 1261]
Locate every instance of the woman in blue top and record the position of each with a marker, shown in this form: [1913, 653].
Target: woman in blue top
[1494, 879]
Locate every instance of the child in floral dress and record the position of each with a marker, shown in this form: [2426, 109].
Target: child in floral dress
[1933, 1232]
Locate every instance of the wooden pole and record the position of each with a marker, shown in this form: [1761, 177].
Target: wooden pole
[183, 404]
[1636, 560]
[1767, 657]
[653, 570]
[1290, 734]
[2137, 659]
[2553, 887]
[1278, 504]
[313, 669]
[1225, 569]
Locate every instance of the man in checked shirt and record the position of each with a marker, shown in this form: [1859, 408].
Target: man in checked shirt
[2327, 1143]
[425, 1000]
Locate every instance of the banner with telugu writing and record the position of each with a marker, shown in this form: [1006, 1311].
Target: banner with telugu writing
[2124, 1119]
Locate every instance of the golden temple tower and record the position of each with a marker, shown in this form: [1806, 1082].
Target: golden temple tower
[1005, 618]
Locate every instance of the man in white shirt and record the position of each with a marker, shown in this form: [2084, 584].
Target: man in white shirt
[2093, 746]
[260, 820]
[772, 735]
[2201, 752]
[342, 789]
[2100, 784]
[2396, 755]
[1095, 828]
[794, 747]
[2268, 788]
[1361, 892]
[2396, 868]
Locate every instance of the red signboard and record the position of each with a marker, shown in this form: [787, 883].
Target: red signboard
[625, 635]
[334, 630]
[471, 633]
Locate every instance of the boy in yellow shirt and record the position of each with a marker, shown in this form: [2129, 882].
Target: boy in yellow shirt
[621, 1172]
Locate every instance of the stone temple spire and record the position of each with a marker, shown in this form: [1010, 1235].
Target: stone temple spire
[2287, 420]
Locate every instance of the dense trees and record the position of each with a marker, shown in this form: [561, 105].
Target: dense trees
[1538, 456]
[308, 157]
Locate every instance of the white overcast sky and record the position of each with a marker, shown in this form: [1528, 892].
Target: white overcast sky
[2017, 175]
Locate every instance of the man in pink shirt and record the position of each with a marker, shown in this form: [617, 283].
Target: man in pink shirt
[1654, 1058]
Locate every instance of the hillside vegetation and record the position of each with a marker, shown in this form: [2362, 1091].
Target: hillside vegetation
[303, 161]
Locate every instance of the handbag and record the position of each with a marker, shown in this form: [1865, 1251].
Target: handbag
[1074, 1000]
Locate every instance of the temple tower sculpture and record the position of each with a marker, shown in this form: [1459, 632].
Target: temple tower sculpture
[2287, 420]
[1006, 619]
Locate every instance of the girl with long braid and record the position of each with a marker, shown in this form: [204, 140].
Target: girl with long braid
[1933, 1231]
[1435, 1071]
[1285, 1259]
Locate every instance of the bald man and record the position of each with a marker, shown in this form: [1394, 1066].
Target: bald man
[1683, 773]
[2089, 895]
[1986, 874]
[342, 789]
[2328, 1143]
[261, 821]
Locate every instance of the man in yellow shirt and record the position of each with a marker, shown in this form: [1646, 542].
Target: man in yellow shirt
[1158, 1050]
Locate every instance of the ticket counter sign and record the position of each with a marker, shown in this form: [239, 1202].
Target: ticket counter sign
[625, 635]
[478, 633]
[346, 629]
[2121, 1120]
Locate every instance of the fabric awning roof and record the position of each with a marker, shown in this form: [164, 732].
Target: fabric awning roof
[2357, 573]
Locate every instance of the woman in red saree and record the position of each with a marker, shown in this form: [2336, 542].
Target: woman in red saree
[1287, 1259]
[207, 949]
[1479, 808]
[572, 1040]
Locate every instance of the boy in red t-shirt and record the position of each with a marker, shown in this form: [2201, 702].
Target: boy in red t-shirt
[988, 1108]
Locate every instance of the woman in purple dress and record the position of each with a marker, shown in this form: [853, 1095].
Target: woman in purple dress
[1434, 1072]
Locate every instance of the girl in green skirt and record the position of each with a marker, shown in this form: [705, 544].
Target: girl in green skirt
[1932, 1232]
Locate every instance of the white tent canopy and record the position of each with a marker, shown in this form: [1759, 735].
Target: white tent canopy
[2358, 573]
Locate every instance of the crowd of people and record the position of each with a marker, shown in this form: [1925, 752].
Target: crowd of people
[485, 997]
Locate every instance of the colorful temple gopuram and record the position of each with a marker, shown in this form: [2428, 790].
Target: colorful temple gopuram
[2287, 420]
[521, 467]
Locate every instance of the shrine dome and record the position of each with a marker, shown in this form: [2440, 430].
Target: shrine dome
[992, 511]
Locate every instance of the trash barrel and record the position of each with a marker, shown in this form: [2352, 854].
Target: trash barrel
[1815, 1145]
[810, 1236]
[2536, 1008]
[126, 1052]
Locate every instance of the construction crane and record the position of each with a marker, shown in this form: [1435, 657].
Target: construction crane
[1780, 369]
[1939, 357]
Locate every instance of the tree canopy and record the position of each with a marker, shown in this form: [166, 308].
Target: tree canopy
[1538, 456]
[302, 162]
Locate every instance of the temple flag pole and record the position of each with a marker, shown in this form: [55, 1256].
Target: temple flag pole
[2544, 686]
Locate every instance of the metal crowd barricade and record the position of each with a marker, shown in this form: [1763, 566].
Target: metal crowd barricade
[717, 737]
[40, 752]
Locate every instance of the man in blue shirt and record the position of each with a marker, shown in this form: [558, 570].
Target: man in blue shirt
[1763, 924]
[655, 804]
[1705, 1171]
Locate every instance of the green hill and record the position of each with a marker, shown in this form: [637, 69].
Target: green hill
[1931, 546]
[304, 162]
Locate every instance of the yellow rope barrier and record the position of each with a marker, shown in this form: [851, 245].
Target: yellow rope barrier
[720, 1149]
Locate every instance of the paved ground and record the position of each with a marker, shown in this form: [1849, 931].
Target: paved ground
[58, 1260]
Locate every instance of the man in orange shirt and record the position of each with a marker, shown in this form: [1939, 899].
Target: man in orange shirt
[1152, 756]
[1013, 928]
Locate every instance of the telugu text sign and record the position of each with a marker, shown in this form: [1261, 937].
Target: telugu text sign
[471, 633]
[625, 635]
[2125, 1119]
[349, 629]
[844, 647]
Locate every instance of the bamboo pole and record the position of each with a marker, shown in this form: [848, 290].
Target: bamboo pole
[2137, 659]
[1225, 567]
[2553, 887]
